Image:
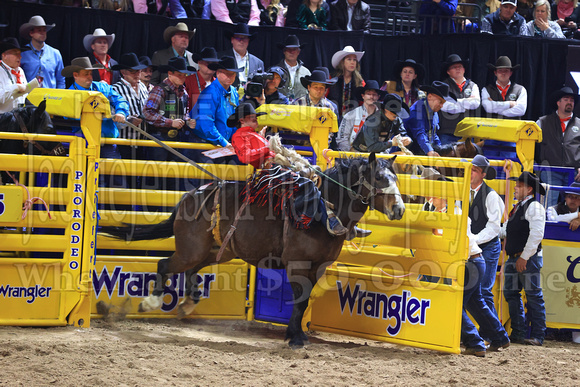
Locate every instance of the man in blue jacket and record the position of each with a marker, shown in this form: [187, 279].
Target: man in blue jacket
[423, 122]
[436, 15]
[504, 21]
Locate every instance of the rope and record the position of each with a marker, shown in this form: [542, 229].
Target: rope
[507, 168]
[28, 203]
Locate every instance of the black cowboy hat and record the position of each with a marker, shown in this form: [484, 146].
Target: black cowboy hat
[291, 41]
[400, 64]
[177, 64]
[440, 89]
[395, 104]
[240, 29]
[129, 61]
[451, 60]
[370, 85]
[225, 63]
[503, 62]
[243, 110]
[280, 71]
[208, 54]
[483, 163]
[530, 179]
[558, 94]
[10, 44]
[317, 76]
[145, 60]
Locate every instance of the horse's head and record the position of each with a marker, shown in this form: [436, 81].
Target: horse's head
[379, 189]
[36, 120]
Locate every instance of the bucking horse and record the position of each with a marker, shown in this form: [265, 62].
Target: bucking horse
[204, 217]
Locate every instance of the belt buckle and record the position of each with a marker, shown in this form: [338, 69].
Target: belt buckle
[172, 133]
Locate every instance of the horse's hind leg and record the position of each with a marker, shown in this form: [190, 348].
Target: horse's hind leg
[294, 331]
[155, 300]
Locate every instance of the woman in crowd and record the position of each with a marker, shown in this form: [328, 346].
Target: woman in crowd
[347, 65]
[542, 26]
[566, 13]
[407, 76]
[312, 16]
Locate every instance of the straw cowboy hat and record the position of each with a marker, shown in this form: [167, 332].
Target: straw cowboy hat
[503, 62]
[178, 64]
[531, 180]
[243, 110]
[179, 27]
[440, 89]
[433, 174]
[317, 76]
[129, 61]
[348, 50]
[35, 21]
[401, 64]
[10, 44]
[395, 104]
[98, 33]
[78, 64]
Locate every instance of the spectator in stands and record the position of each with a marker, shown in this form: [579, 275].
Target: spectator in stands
[560, 146]
[292, 11]
[97, 45]
[147, 73]
[195, 83]
[383, 131]
[567, 210]
[272, 13]
[312, 16]
[504, 99]
[215, 104]
[147, 6]
[13, 85]
[525, 9]
[524, 232]
[423, 122]
[542, 26]
[437, 16]
[407, 75]
[135, 93]
[347, 65]
[504, 21]
[350, 15]
[317, 84]
[468, 100]
[293, 68]
[236, 11]
[41, 62]
[240, 38]
[178, 38]
[353, 121]
[566, 13]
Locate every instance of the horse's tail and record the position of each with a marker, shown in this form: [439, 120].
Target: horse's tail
[143, 232]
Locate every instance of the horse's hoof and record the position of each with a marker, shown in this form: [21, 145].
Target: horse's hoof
[185, 308]
[141, 309]
[295, 346]
[150, 303]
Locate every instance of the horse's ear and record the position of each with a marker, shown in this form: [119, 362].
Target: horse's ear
[480, 143]
[40, 109]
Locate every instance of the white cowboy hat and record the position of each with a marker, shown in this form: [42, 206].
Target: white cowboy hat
[35, 21]
[348, 50]
[99, 33]
[179, 27]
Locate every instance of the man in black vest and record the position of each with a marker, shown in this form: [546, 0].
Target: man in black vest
[524, 232]
[468, 100]
[236, 11]
[560, 146]
[485, 210]
[504, 21]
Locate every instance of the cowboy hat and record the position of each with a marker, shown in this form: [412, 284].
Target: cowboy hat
[370, 85]
[317, 76]
[208, 54]
[98, 33]
[172, 30]
[395, 104]
[401, 64]
[503, 62]
[291, 41]
[243, 110]
[433, 174]
[178, 64]
[348, 50]
[78, 64]
[10, 44]
[483, 163]
[531, 180]
[240, 29]
[146, 61]
[35, 21]
[440, 89]
[226, 63]
[129, 62]
[558, 94]
[573, 185]
[451, 60]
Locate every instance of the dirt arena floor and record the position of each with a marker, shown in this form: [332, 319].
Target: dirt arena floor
[218, 352]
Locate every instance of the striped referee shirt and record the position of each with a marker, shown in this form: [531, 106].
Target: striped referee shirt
[136, 102]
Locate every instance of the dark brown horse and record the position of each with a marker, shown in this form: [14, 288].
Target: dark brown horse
[261, 233]
[464, 150]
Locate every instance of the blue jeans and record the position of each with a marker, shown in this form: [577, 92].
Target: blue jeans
[473, 303]
[490, 252]
[554, 178]
[528, 280]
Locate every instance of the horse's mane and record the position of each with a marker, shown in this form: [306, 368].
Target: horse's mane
[7, 121]
[343, 167]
